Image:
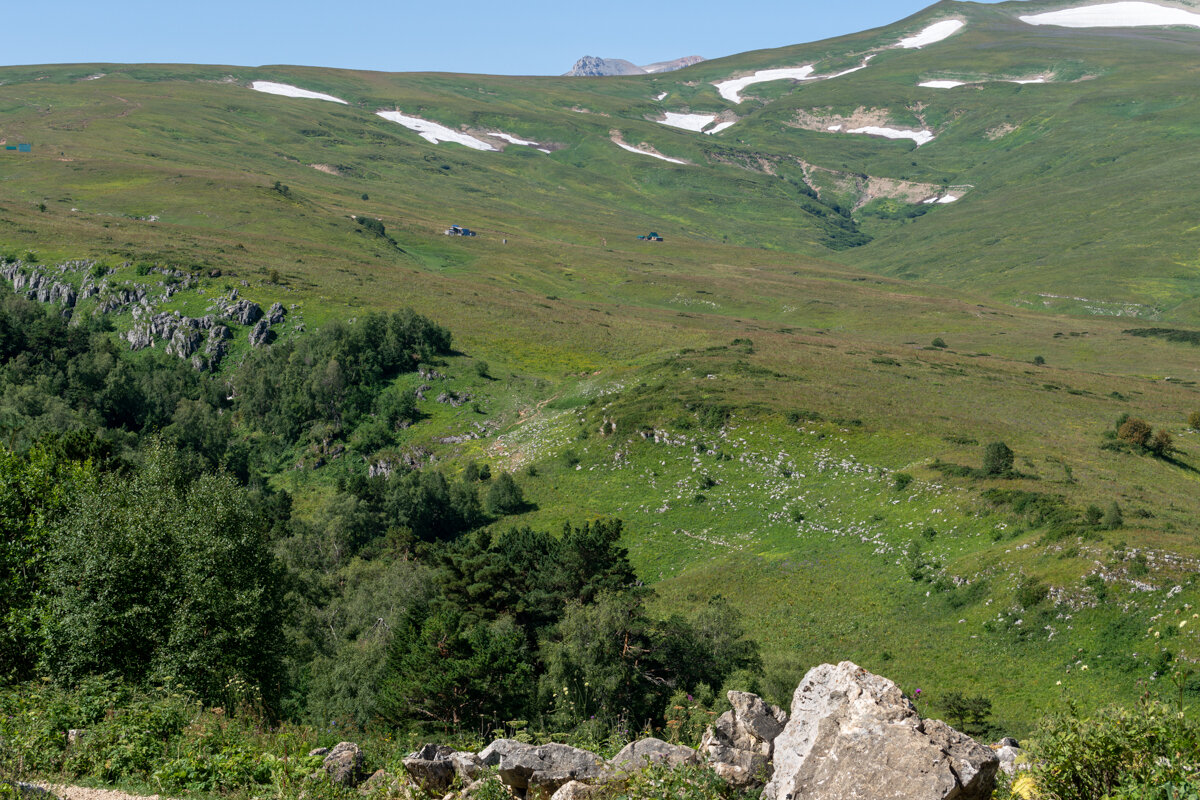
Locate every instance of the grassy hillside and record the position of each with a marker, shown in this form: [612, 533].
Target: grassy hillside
[745, 393]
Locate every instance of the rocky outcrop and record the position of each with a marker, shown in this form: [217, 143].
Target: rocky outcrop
[644, 752]
[344, 764]
[243, 312]
[594, 67]
[853, 734]
[739, 745]
[261, 333]
[276, 314]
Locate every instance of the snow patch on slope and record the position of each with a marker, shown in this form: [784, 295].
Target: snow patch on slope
[942, 84]
[920, 137]
[731, 89]
[287, 90]
[688, 122]
[1115, 15]
[720, 126]
[933, 34]
[435, 132]
[648, 151]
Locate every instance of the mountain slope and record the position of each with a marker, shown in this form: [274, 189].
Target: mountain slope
[789, 392]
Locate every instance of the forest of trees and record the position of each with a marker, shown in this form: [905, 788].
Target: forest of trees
[142, 541]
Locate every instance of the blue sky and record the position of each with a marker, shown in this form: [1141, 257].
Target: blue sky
[528, 37]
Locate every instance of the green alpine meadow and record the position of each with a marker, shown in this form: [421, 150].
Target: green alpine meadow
[407, 411]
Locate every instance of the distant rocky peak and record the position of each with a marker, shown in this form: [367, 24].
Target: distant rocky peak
[592, 66]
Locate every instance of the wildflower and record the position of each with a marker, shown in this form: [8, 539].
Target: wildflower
[1058, 683]
[1084, 667]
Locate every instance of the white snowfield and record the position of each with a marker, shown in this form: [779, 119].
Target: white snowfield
[293, 91]
[731, 89]
[920, 137]
[632, 149]
[1115, 15]
[660, 96]
[433, 132]
[720, 126]
[954, 84]
[688, 122]
[943, 200]
[933, 34]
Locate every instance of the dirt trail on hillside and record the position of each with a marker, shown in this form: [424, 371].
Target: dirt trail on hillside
[85, 793]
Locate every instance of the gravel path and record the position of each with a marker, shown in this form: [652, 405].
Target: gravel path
[84, 793]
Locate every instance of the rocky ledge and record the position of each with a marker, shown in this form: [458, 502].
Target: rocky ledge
[850, 734]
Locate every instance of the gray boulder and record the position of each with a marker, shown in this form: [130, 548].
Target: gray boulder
[739, 745]
[467, 766]
[576, 790]
[431, 767]
[276, 314]
[184, 342]
[491, 755]
[644, 752]
[853, 734]
[344, 763]
[1008, 751]
[540, 771]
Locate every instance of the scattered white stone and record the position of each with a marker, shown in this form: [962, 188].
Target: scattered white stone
[920, 137]
[435, 132]
[688, 122]
[633, 149]
[1115, 15]
[720, 126]
[287, 90]
[835, 128]
[942, 84]
[933, 34]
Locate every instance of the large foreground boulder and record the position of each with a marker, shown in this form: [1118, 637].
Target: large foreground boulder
[739, 745]
[431, 767]
[538, 772]
[854, 735]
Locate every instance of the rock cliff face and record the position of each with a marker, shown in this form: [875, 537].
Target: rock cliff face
[592, 67]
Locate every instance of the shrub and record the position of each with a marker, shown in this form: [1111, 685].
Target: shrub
[1148, 752]
[1162, 445]
[938, 342]
[1039, 360]
[1093, 515]
[901, 480]
[1031, 591]
[1135, 431]
[1193, 420]
[997, 459]
[481, 369]
[1113, 518]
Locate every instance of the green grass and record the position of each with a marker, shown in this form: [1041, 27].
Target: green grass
[1078, 219]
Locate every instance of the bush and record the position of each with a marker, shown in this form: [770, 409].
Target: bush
[1149, 752]
[997, 459]
[481, 369]
[938, 342]
[1039, 360]
[1162, 445]
[1135, 431]
[901, 480]
[1031, 591]
[1193, 420]
[1113, 518]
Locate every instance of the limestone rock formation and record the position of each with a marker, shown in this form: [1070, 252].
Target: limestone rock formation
[539, 771]
[739, 745]
[853, 735]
